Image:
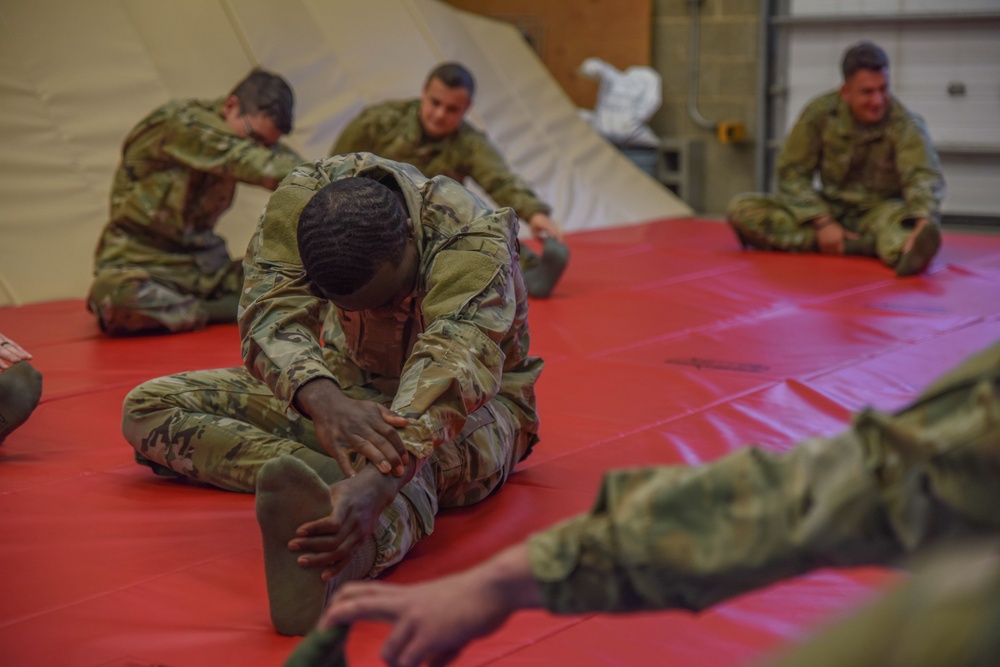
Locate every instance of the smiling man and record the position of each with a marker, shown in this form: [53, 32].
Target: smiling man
[416, 392]
[880, 179]
[430, 133]
[160, 266]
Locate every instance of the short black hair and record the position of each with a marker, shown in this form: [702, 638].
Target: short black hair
[263, 92]
[348, 230]
[453, 75]
[864, 55]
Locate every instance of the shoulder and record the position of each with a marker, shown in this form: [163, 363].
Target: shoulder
[903, 119]
[824, 106]
[452, 210]
[390, 111]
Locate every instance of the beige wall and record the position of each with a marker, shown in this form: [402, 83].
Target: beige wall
[727, 86]
[75, 76]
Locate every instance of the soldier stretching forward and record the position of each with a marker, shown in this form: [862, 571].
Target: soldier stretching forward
[160, 266]
[421, 394]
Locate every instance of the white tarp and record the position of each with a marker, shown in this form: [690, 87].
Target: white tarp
[76, 76]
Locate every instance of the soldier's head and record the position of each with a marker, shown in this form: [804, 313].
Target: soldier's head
[446, 98]
[260, 107]
[356, 244]
[866, 82]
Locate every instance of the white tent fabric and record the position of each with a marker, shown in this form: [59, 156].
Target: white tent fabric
[76, 76]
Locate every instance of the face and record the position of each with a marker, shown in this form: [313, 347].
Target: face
[442, 108]
[258, 127]
[389, 286]
[866, 93]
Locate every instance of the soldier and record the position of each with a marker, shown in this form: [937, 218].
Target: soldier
[682, 537]
[880, 179]
[20, 386]
[421, 395]
[160, 266]
[431, 134]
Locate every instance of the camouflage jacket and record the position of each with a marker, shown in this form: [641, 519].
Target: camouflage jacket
[178, 174]
[392, 130]
[858, 165]
[458, 341]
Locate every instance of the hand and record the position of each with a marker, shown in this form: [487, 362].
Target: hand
[357, 504]
[344, 425]
[11, 353]
[433, 621]
[542, 226]
[830, 236]
[918, 225]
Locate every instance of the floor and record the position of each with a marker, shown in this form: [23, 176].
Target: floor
[665, 344]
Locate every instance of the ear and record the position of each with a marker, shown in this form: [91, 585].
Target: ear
[843, 90]
[231, 105]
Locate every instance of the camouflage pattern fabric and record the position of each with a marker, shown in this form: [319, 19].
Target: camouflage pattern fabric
[453, 358]
[321, 648]
[872, 178]
[159, 256]
[392, 130]
[679, 537]
[459, 341]
[947, 614]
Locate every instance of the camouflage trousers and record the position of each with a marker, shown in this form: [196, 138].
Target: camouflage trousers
[688, 537]
[221, 426]
[20, 391]
[161, 292]
[763, 222]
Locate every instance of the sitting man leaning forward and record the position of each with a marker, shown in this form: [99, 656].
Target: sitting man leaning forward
[417, 392]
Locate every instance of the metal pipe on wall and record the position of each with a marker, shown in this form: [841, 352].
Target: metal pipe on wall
[693, 67]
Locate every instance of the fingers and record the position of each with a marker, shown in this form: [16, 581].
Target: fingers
[382, 446]
[391, 418]
[11, 352]
[343, 460]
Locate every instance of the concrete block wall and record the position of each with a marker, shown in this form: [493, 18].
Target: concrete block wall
[727, 84]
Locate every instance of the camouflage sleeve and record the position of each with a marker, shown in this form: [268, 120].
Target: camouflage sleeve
[797, 165]
[680, 537]
[280, 319]
[919, 171]
[456, 365]
[489, 170]
[195, 140]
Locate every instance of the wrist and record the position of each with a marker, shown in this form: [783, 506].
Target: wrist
[511, 579]
[313, 395]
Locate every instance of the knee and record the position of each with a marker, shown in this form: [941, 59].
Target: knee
[138, 405]
[741, 206]
[128, 301]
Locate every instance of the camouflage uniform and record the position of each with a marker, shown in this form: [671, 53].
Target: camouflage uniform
[872, 179]
[680, 537]
[392, 130]
[452, 358]
[159, 258]
[947, 614]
